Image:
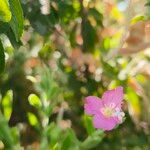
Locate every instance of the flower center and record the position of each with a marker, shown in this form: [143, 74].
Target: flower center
[108, 110]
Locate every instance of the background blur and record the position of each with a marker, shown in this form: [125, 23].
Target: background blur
[57, 52]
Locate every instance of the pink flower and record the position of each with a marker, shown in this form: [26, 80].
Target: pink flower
[107, 111]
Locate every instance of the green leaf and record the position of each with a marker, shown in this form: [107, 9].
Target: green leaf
[53, 132]
[16, 22]
[92, 140]
[72, 36]
[137, 19]
[7, 104]
[4, 27]
[97, 16]
[34, 100]
[45, 51]
[148, 3]
[16, 44]
[109, 70]
[148, 8]
[5, 133]
[70, 141]
[88, 124]
[2, 58]
[32, 119]
[133, 101]
[89, 36]
[5, 14]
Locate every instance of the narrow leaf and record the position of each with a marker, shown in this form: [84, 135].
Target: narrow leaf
[16, 44]
[2, 58]
[16, 22]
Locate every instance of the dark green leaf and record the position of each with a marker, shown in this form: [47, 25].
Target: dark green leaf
[16, 44]
[2, 58]
[72, 36]
[89, 36]
[4, 27]
[97, 16]
[16, 22]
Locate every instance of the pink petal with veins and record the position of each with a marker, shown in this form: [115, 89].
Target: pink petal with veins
[100, 122]
[92, 105]
[113, 96]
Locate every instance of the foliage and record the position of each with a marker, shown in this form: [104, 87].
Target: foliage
[2, 57]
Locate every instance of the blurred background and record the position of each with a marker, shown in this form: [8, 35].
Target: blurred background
[57, 52]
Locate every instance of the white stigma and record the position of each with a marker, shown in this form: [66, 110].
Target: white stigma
[112, 111]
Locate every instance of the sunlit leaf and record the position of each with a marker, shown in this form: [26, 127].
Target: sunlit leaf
[137, 19]
[5, 14]
[32, 119]
[134, 103]
[7, 104]
[34, 100]
[88, 124]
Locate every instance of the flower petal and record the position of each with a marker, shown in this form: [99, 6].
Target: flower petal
[113, 96]
[92, 105]
[100, 122]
